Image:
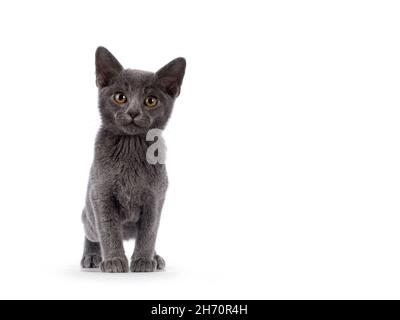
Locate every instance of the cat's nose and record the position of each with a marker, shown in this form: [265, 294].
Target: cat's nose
[133, 113]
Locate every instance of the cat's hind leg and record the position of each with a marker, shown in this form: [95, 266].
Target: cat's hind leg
[91, 255]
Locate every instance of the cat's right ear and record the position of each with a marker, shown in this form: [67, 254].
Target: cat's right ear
[107, 67]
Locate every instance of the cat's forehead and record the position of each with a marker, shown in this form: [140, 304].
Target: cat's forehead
[136, 78]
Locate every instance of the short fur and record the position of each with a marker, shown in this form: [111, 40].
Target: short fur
[125, 193]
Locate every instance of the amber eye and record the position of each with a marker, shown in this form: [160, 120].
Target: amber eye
[151, 101]
[120, 98]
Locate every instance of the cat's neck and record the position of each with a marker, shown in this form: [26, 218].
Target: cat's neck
[117, 147]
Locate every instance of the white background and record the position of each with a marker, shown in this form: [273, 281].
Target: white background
[283, 156]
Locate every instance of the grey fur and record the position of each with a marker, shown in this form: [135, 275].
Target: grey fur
[125, 193]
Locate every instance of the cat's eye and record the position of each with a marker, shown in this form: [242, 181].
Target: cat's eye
[151, 101]
[120, 98]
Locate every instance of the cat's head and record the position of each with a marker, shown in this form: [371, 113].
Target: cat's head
[133, 101]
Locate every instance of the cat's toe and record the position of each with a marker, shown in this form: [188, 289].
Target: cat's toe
[160, 262]
[115, 265]
[90, 261]
[143, 265]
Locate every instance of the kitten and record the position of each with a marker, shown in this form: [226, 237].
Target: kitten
[125, 193]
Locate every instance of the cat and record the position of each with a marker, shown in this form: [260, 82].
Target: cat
[125, 193]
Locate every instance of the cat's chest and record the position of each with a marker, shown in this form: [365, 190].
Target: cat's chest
[121, 165]
[137, 175]
[135, 180]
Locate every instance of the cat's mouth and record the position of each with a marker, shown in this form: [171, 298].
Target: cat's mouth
[135, 127]
[129, 121]
[142, 122]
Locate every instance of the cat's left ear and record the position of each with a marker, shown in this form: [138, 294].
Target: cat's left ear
[171, 76]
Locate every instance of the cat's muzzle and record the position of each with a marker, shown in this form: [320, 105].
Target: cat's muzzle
[139, 120]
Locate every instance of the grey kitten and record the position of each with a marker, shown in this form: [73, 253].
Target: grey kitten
[125, 193]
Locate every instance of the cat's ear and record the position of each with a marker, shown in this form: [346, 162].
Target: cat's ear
[171, 76]
[107, 67]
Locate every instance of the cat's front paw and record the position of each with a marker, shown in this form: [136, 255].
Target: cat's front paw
[115, 265]
[90, 261]
[147, 265]
[143, 265]
[160, 262]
